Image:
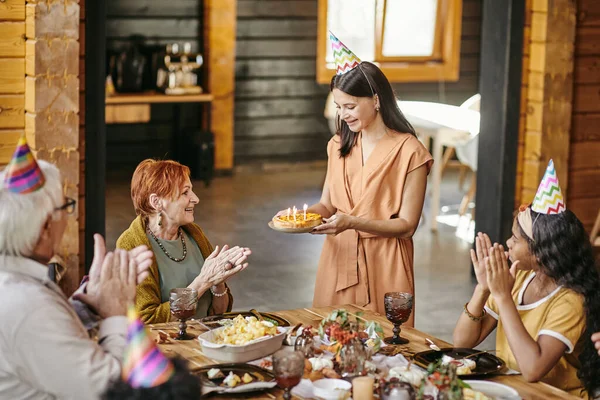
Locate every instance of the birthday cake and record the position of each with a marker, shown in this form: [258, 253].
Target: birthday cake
[299, 221]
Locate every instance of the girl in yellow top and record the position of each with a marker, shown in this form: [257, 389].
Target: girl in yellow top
[547, 304]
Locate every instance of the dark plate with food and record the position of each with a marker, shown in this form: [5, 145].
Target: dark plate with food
[469, 362]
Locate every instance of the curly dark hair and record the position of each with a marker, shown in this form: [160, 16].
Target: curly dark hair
[182, 386]
[354, 83]
[564, 253]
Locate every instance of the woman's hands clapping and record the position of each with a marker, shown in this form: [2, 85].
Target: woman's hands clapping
[500, 278]
[221, 265]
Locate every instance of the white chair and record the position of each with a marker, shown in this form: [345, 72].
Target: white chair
[472, 103]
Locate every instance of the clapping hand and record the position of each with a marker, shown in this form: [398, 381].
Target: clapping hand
[112, 285]
[223, 263]
[500, 278]
[140, 255]
[596, 340]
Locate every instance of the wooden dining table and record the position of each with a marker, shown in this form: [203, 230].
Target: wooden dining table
[191, 351]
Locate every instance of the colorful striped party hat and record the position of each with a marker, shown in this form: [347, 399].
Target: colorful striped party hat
[144, 366]
[549, 198]
[23, 174]
[345, 60]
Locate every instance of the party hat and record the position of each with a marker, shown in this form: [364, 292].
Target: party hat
[345, 60]
[23, 174]
[143, 364]
[549, 198]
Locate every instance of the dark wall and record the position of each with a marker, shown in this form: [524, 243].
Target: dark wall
[279, 107]
[278, 104]
[160, 22]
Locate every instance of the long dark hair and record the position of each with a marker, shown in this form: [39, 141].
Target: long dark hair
[355, 84]
[564, 253]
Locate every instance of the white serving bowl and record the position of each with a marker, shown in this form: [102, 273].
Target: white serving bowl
[240, 353]
[332, 389]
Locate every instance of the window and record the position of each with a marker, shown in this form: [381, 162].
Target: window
[411, 41]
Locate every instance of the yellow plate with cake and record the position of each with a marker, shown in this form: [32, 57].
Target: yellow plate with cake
[300, 224]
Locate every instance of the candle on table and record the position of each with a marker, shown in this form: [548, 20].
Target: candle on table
[362, 388]
[305, 208]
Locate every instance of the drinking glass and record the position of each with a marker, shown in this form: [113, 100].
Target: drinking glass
[288, 367]
[183, 303]
[398, 306]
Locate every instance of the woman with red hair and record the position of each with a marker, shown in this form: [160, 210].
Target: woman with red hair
[183, 257]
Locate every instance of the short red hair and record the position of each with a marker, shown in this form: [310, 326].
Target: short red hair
[165, 178]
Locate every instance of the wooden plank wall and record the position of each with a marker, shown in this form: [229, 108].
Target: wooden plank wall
[546, 103]
[12, 76]
[278, 104]
[161, 23]
[584, 165]
[279, 107]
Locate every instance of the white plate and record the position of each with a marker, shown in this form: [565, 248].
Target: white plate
[239, 354]
[497, 391]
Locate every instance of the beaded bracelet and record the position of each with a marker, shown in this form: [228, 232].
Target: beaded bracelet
[471, 316]
[219, 294]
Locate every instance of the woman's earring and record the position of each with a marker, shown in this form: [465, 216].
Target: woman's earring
[159, 219]
[377, 109]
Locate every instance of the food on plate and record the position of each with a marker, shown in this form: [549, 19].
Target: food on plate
[470, 394]
[215, 373]
[232, 380]
[244, 330]
[407, 373]
[464, 366]
[318, 363]
[298, 221]
[266, 363]
[247, 378]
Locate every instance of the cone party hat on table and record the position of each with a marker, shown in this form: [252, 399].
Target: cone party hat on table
[345, 60]
[549, 198]
[144, 365]
[23, 174]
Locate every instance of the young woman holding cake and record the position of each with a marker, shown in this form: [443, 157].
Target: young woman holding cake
[373, 193]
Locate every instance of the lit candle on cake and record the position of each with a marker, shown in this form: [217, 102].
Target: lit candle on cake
[289, 211]
[295, 213]
[305, 208]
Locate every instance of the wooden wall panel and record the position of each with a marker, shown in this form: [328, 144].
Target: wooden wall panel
[12, 39]
[279, 106]
[12, 111]
[584, 166]
[546, 97]
[12, 10]
[12, 76]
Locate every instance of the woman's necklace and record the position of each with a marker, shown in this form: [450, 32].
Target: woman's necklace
[165, 250]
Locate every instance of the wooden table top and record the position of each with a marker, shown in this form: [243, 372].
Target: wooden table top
[191, 351]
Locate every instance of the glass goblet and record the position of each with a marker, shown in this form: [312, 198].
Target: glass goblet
[183, 303]
[398, 306]
[288, 367]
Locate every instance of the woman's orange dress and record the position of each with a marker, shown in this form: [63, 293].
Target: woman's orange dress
[358, 267]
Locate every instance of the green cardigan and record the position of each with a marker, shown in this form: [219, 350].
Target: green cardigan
[148, 299]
